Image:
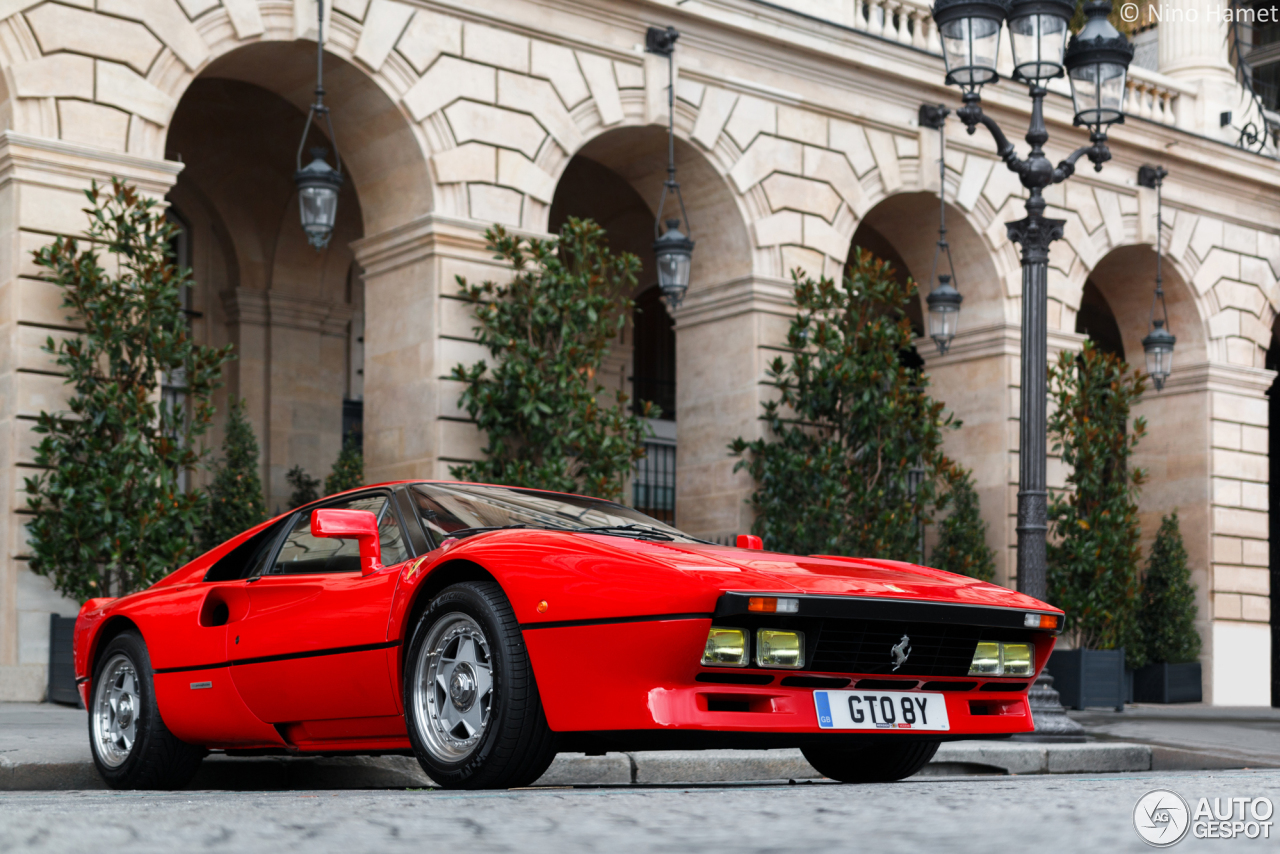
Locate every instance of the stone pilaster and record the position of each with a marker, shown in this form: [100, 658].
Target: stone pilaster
[41, 193]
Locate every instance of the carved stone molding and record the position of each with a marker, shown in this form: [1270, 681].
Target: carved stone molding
[273, 308]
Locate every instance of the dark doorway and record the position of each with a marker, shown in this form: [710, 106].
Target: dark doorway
[655, 354]
[1098, 322]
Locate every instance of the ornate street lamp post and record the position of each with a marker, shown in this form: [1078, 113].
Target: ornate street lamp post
[673, 249]
[318, 183]
[1096, 61]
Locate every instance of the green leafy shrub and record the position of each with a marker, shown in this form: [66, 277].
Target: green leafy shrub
[962, 536]
[305, 487]
[1094, 552]
[110, 514]
[545, 414]
[1167, 615]
[834, 472]
[235, 495]
[348, 471]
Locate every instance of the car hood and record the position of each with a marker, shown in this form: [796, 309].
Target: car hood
[772, 572]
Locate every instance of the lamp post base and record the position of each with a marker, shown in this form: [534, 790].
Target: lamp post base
[1052, 723]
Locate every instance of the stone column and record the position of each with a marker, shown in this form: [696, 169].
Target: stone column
[41, 192]
[974, 379]
[1194, 38]
[416, 330]
[725, 335]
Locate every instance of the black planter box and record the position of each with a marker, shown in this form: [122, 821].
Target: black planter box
[62, 665]
[1168, 683]
[1089, 677]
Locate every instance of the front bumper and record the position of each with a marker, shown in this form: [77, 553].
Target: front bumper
[646, 677]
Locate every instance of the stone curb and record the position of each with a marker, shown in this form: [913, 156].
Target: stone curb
[960, 758]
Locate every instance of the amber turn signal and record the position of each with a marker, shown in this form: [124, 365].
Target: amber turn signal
[773, 605]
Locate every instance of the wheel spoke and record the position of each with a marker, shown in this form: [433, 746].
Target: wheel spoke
[484, 681]
[473, 719]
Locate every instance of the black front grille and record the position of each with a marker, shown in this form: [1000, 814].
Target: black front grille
[866, 646]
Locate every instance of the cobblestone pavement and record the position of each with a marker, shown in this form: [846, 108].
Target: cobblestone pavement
[1069, 813]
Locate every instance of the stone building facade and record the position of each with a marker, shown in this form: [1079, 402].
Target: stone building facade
[797, 138]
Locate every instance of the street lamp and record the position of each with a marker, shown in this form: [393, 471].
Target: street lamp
[1158, 345]
[318, 183]
[943, 299]
[1096, 61]
[673, 249]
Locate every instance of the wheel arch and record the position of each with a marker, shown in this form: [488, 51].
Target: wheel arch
[450, 572]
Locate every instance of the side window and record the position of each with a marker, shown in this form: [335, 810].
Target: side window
[247, 558]
[303, 553]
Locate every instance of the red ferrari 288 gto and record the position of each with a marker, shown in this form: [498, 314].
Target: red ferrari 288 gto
[483, 629]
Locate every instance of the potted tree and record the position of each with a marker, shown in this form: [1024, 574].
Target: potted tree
[1094, 552]
[1167, 617]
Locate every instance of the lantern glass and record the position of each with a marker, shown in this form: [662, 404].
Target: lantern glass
[1159, 351]
[1098, 89]
[969, 48]
[318, 205]
[944, 313]
[674, 255]
[1038, 42]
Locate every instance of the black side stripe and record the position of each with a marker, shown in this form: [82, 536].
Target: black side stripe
[605, 621]
[315, 653]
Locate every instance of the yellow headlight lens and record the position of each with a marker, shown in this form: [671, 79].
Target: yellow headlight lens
[725, 648]
[779, 649]
[1018, 659]
[986, 660]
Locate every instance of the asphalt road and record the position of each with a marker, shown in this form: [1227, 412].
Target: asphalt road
[1068, 813]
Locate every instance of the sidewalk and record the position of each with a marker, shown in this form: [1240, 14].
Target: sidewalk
[45, 746]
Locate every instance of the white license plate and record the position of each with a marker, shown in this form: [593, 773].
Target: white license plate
[881, 710]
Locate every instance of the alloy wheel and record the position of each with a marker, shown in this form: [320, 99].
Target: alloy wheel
[453, 687]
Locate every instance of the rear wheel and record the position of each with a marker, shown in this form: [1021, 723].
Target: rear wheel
[875, 763]
[472, 707]
[131, 746]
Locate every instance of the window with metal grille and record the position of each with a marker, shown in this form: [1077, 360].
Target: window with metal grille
[654, 486]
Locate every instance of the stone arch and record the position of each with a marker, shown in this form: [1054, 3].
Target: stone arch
[112, 78]
[1125, 277]
[909, 221]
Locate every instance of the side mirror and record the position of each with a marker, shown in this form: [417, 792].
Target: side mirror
[750, 541]
[358, 525]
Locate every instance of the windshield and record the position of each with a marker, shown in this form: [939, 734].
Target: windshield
[459, 508]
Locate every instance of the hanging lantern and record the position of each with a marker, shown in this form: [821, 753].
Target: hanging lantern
[970, 32]
[944, 300]
[1097, 61]
[1158, 345]
[944, 313]
[673, 248]
[318, 183]
[674, 253]
[318, 186]
[1038, 35]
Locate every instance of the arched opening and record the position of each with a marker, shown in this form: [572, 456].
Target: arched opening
[970, 380]
[1175, 451]
[294, 314]
[616, 179]
[642, 360]
[1273, 503]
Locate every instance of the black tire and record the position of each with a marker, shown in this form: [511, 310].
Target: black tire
[514, 745]
[154, 758]
[875, 763]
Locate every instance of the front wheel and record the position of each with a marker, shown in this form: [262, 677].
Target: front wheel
[875, 763]
[131, 746]
[472, 707]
